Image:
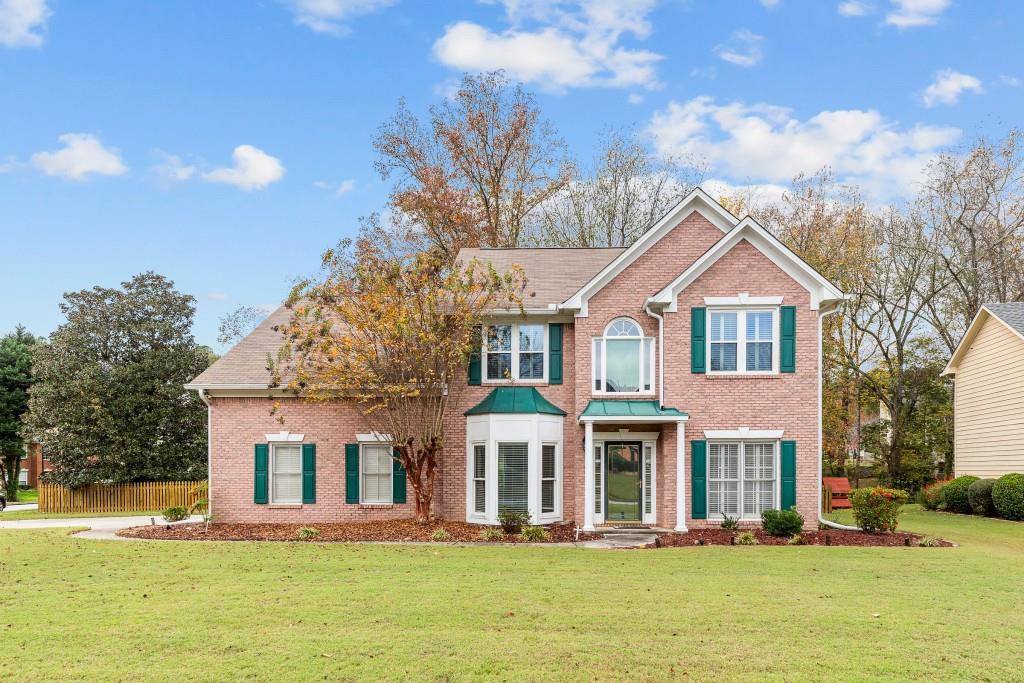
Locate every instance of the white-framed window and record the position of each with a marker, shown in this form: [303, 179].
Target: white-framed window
[514, 476]
[286, 473]
[376, 468]
[742, 478]
[623, 359]
[743, 341]
[515, 351]
[480, 478]
[548, 477]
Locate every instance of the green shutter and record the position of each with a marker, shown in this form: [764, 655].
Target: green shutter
[555, 353]
[697, 339]
[308, 473]
[397, 480]
[352, 473]
[788, 474]
[699, 474]
[474, 356]
[262, 459]
[788, 339]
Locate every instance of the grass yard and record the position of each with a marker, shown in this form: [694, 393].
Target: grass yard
[92, 610]
[10, 515]
[26, 496]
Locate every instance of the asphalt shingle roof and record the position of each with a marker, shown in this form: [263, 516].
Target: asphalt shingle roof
[1011, 313]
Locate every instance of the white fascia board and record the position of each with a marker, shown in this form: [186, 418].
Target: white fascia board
[742, 433]
[697, 200]
[980, 318]
[226, 386]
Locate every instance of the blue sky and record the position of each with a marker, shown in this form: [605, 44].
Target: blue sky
[226, 144]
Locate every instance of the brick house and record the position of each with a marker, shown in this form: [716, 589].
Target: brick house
[667, 384]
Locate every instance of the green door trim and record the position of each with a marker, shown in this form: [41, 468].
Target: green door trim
[639, 478]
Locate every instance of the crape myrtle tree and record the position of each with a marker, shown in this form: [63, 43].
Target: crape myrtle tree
[108, 402]
[391, 331]
[15, 380]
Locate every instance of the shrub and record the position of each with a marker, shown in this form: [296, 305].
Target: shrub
[491, 534]
[928, 542]
[512, 521]
[440, 535]
[930, 497]
[876, 509]
[308, 533]
[533, 533]
[746, 538]
[730, 523]
[979, 496]
[797, 539]
[175, 514]
[782, 522]
[1008, 496]
[954, 494]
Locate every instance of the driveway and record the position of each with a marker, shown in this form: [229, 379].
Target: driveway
[99, 527]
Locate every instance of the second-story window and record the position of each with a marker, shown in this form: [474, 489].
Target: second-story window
[514, 351]
[623, 359]
[742, 341]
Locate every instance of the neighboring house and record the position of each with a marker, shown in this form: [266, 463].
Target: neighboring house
[33, 465]
[666, 384]
[988, 393]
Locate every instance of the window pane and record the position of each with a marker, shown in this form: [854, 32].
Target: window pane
[287, 474]
[480, 495]
[623, 328]
[499, 365]
[479, 478]
[648, 479]
[513, 478]
[499, 338]
[648, 364]
[547, 465]
[531, 365]
[759, 326]
[377, 465]
[531, 338]
[623, 371]
[598, 368]
[547, 495]
[723, 326]
[723, 357]
[479, 461]
[598, 473]
[759, 356]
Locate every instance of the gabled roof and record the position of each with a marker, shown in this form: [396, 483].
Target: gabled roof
[245, 365]
[1009, 314]
[822, 291]
[515, 400]
[697, 200]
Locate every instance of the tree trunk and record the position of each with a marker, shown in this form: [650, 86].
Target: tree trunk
[421, 469]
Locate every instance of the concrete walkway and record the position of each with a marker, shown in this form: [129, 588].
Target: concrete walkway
[14, 507]
[620, 539]
[99, 527]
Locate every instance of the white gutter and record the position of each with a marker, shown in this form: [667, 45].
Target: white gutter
[661, 352]
[821, 361]
[204, 397]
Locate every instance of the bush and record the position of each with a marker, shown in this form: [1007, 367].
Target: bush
[533, 533]
[954, 494]
[1008, 496]
[797, 539]
[782, 522]
[491, 534]
[746, 538]
[928, 542]
[512, 521]
[308, 533]
[440, 535]
[876, 509]
[979, 496]
[175, 514]
[731, 523]
[930, 497]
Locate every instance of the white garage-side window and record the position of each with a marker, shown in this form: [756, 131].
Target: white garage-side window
[286, 474]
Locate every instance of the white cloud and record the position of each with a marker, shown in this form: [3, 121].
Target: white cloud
[635, 98]
[1011, 81]
[763, 143]
[709, 72]
[254, 169]
[755, 194]
[173, 169]
[82, 155]
[217, 296]
[21, 22]
[558, 45]
[948, 86]
[910, 13]
[742, 49]
[338, 190]
[854, 8]
[332, 16]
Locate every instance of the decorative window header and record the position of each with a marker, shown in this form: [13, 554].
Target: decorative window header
[742, 299]
[284, 436]
[743, 433]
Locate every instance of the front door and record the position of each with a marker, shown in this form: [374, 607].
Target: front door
[622, 490]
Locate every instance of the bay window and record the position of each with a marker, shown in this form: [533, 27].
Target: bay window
[742, 479]
[743, 341]
[514, 351]
[623, 359]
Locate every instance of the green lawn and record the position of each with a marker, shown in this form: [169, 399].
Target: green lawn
[11, 515]
[93, 610]
[26, 496]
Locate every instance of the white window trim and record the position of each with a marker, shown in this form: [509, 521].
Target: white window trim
[272, 457]
[604, 363]
[515, 354]
[741, 339]
[471, 511]
[777, 490]
[390, 500]
[555, 513]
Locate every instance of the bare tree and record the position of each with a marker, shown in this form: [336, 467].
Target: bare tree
[237, 324]
[611, 203]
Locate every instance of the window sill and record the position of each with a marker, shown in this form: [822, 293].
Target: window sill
[743, 375]
[285, 506]
[376, 506]
[517, 382]
[624, 394]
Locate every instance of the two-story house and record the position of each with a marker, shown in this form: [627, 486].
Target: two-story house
[667, 384]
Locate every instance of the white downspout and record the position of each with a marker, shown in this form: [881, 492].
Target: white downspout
[821, 361]
[204, 397]
[661, 353]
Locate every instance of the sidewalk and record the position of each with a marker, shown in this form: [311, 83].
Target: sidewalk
[99, 527]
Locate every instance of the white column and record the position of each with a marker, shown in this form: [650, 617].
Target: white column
[681, 476]
[588, 476]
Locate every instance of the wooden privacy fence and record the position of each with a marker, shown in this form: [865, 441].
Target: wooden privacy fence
[134, 497]
[826, 499]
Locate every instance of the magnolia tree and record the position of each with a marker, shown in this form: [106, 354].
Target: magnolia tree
[391, 333]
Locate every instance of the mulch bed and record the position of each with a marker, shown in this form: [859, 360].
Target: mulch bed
[397, 530]
[696, 537]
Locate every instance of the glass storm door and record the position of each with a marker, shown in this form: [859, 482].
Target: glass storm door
[622, 484]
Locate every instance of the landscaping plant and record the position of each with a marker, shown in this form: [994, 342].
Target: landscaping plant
[533, 533]
[979, 495]
[954, 494]
[731, 523]
[308, 533]
[930, 497]
[876, 509]
[782, 522]
[439, 535]
[512, 521]
[1008, 496]
[797, 539]
[746, 538]
[175, 514]
[492, 534]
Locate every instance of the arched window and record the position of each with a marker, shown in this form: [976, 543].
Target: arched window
[623, 359]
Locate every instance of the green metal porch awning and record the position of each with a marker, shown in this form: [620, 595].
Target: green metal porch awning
[602, 408]
[515, 400]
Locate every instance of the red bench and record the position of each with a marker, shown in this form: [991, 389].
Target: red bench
[840, 487]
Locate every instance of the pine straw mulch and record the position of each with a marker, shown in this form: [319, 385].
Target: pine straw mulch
[395, 530]
[837, 537]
